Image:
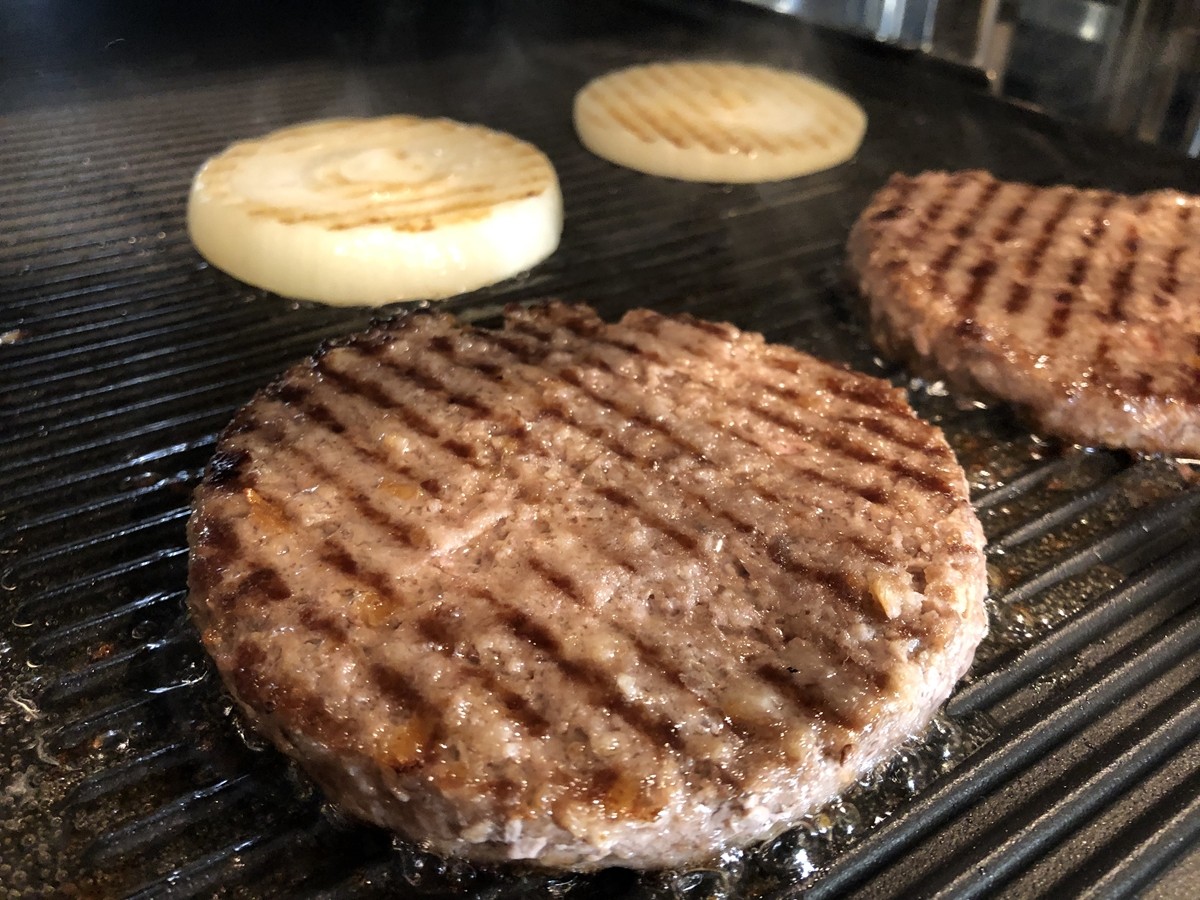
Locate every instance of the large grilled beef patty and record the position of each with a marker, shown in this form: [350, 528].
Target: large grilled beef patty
[582, 593]
[1080, 306]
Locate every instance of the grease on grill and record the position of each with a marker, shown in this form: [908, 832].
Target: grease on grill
[775, 231]
[793, 859]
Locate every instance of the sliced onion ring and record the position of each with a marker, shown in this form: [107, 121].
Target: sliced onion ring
[370, 211]
[718, 122]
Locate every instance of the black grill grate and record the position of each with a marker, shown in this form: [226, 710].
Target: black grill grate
[1069, 765]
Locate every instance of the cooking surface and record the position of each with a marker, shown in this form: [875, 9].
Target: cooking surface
[1067, 764]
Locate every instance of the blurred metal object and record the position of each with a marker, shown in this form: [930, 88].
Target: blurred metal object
[1088, 20]
[908, 23]
[1130, 65]
[1058, 55]
[962, 31]
[1155, 85]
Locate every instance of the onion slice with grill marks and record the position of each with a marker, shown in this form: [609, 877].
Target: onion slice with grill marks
[718, 122]
[371, 211]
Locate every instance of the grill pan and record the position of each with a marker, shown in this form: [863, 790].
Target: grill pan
[1067, 765]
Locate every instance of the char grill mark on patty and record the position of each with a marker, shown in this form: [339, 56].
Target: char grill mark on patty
[1038, 295]
[844, 385]
[812, 430]
[688, 542]
[261, 579]
[391, 491]
[1169, 284]
[974, 211]
[845, 592]
[1060, 313]
[1019, 289]
[1023, 195]
[299, 397]
[847, 589]
[356, 570]
[1122, 279]
[938, 205]
[657, 731]
[1036, 258]
[807, 430]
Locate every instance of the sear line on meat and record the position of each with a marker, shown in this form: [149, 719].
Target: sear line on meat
[579, 593]
[1080, 307]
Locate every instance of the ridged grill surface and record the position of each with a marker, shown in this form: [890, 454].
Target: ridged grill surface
[1068, 765]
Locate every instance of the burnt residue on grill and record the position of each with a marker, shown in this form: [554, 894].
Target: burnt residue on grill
[1060, 767]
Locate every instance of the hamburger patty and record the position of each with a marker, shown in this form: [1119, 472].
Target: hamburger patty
[1082, 307]
[581, 593]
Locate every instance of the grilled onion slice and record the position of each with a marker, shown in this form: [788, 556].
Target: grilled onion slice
[720, 122]
[370, 211]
